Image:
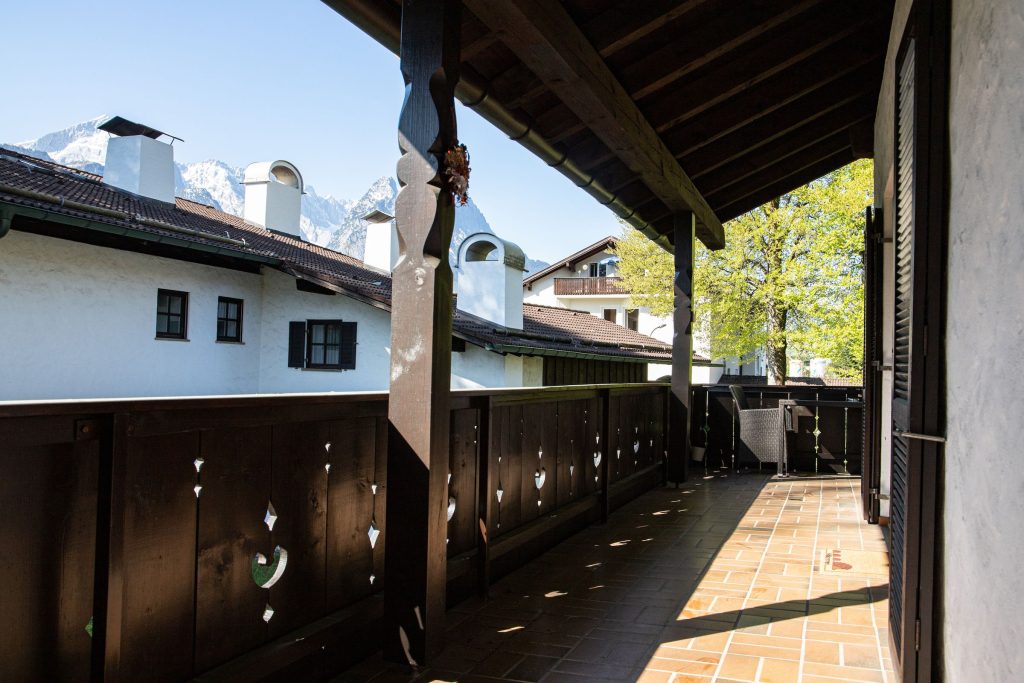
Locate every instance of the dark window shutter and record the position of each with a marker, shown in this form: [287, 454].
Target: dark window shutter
[297, 344]
[348, 346]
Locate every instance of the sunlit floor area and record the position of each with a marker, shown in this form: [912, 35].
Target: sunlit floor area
[728, 578]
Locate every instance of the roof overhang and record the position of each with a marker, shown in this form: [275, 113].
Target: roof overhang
[757, 100]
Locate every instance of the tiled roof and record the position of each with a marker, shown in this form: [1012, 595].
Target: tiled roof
[32, 183]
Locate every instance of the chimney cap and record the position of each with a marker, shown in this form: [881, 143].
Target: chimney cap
[280, 171]
[378, 216]
[122, 127]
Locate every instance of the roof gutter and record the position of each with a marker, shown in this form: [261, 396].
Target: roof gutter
[382, 21]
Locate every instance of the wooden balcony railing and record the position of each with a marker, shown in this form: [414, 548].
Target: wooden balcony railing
[581, 286]
[835, 413]
[231, 538]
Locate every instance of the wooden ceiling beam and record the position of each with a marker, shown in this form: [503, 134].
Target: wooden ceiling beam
[797, 51]
[667, 64]
[551, 45]
[626, 23]
[736, 206]
[792, 99]
[778, 104]
[763, 154]
[753, 171]
[792, 123]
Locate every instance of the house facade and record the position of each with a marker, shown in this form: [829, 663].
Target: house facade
[589, 281]
[193, 301]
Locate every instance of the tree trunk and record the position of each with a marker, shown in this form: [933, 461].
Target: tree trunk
[775, 348]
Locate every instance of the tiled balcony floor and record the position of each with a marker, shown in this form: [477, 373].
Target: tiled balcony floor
[720, 580]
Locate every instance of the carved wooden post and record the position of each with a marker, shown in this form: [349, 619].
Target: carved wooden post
[421, 330]
[682, 348]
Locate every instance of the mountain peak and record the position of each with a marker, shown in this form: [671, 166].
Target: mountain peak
[330, 222]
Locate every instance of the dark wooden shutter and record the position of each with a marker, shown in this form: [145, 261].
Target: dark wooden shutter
[297, 344]
[873, 290]
[348, 346]
[918, 396]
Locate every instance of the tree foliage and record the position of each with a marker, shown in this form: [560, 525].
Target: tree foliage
[790, 278]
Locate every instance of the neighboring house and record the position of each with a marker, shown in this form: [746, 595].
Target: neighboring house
[589, 281]
[113, 287]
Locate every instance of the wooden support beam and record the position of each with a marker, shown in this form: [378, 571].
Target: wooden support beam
[682, 348]
[547, 40]
[421, 332]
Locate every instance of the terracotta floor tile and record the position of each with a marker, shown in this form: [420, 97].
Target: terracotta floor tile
[777, 671]
[718, 577]
[738, 667]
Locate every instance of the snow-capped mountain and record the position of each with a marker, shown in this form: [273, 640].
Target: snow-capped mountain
[330, 222]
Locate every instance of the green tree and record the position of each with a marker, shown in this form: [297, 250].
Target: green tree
[789, 278]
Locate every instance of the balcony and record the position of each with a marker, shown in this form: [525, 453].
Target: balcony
[589, 286]
[230, 537]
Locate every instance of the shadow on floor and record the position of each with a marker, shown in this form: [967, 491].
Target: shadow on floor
[599, 605]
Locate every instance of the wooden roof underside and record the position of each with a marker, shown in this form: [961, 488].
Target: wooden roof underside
[659, 106]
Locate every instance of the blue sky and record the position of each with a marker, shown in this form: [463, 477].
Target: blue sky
[247, 81]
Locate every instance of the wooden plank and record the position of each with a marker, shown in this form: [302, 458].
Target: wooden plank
[421, 332]
[159, 557]
[48, 504]
[299, 494]
[569, 436]
[352, 498]
[546, 39]
[462, 528]
[235, 477]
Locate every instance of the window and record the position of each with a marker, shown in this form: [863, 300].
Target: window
[633, 319]
[229, 319]
[609, 314]
[171, 314]
[322, 345]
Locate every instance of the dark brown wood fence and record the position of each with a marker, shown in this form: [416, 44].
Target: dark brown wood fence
[235, 538]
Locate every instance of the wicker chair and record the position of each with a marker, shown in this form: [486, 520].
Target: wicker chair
[762, 430]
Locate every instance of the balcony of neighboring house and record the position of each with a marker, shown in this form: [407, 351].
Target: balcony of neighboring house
[589, 286]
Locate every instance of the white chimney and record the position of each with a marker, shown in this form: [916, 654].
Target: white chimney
[381, 250]
[273, 196]
[137, 162]
[489, 279]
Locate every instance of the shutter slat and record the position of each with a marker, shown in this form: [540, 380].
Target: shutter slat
[348, 346]
[297, 344]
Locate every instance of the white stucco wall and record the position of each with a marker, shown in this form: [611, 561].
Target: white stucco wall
[475, 368]
[283, 303]
[79, 321]
[533, 371]
[982, 585]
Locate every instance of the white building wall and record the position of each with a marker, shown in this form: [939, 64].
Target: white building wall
[477, 368]
[533, 371]
[79, 321]
[982, 586]
[283, 303]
